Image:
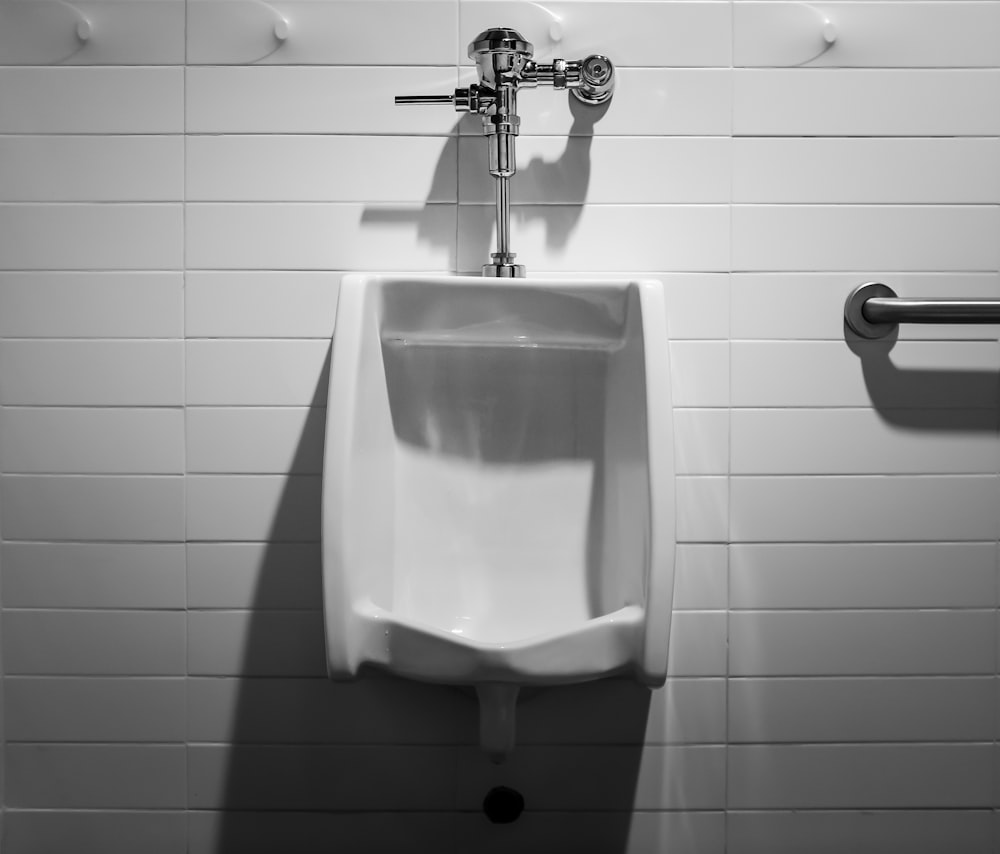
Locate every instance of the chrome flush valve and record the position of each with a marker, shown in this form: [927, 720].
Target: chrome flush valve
[503, 60]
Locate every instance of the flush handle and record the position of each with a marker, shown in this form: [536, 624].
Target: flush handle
[475, 99]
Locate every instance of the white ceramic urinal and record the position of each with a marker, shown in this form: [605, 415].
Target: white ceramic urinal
[498, 496]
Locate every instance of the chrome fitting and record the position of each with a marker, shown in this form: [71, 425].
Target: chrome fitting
[504, 61]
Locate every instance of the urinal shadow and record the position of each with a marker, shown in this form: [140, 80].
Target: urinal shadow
[307, 764]
[431, 228]
[558, 191]
[926, 399]
[551, 192]
[385, 764]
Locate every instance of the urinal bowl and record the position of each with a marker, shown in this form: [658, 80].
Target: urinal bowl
[498, 496]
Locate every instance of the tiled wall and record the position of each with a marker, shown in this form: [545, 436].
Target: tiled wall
[179, 194]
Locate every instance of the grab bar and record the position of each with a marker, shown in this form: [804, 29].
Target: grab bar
[873, 310]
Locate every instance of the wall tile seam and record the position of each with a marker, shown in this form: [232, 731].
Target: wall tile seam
[92, 203]
[114, 270]
[97, 609]
[48, 742]
[380, 744]
[872, 743]
[131, 407]
[861, 677]
[108, 475]
[932, 609]
[123, 677]
[870, 476]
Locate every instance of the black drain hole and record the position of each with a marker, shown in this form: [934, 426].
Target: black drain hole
[503, 805]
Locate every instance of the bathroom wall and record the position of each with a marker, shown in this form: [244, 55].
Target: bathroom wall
[180, 192]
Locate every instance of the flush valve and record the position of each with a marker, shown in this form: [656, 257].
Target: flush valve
[504, 62]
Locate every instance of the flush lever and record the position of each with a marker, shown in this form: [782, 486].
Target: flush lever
[475, 99]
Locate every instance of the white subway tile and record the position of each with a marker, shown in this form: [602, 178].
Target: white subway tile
[257, 373]
[850, 102]
[860, 776]
[94, 709]
[630, 33]
[701, 441]
[404, 236]
[621, 711]
[312, 777]
[701, 577]
[861, 710]
[92, 168]
[93, 575]
[92, 441]
[603, 170]
[344, 32]
[674, 778]
[318, 832]
[699, 373]
[533, 833]
[255, 440]
[945, 35]
[270, 643]
[316, 100]
[257, 576]
[868, 831]
[647, 237]
[91, 373]
[865, 509]
[608, 778]
[91, 236]
[685, 711]
[133, 508]
[627, 832]
[697, 644]
[866, 171]
[865, 237]
[92, 100]
[146, 33]
[915, 375]
[811, 305]
[286, 168]
[702, 509]
[266, 508]
[697, 304]
[863, 575]
[91, 305]
[94, 643]
[95, 831]
[856, 643]
[271, 305]
[647, 102]
[864, 441]
[375, 709]
[107, 776]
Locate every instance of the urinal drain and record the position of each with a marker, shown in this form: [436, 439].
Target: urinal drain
[503, 805]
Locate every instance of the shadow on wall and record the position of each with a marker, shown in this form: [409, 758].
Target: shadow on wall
[554, 192]
[304, 764]
[961, 400]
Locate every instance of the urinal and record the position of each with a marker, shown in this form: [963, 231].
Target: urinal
[498, 485]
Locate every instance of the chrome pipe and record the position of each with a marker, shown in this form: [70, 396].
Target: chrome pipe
[503, 215]
[873, 310]
[424, 99]
[502, 266]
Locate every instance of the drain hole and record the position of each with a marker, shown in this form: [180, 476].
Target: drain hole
[503, 805]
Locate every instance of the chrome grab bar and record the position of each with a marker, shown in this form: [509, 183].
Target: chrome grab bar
[873, 310]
